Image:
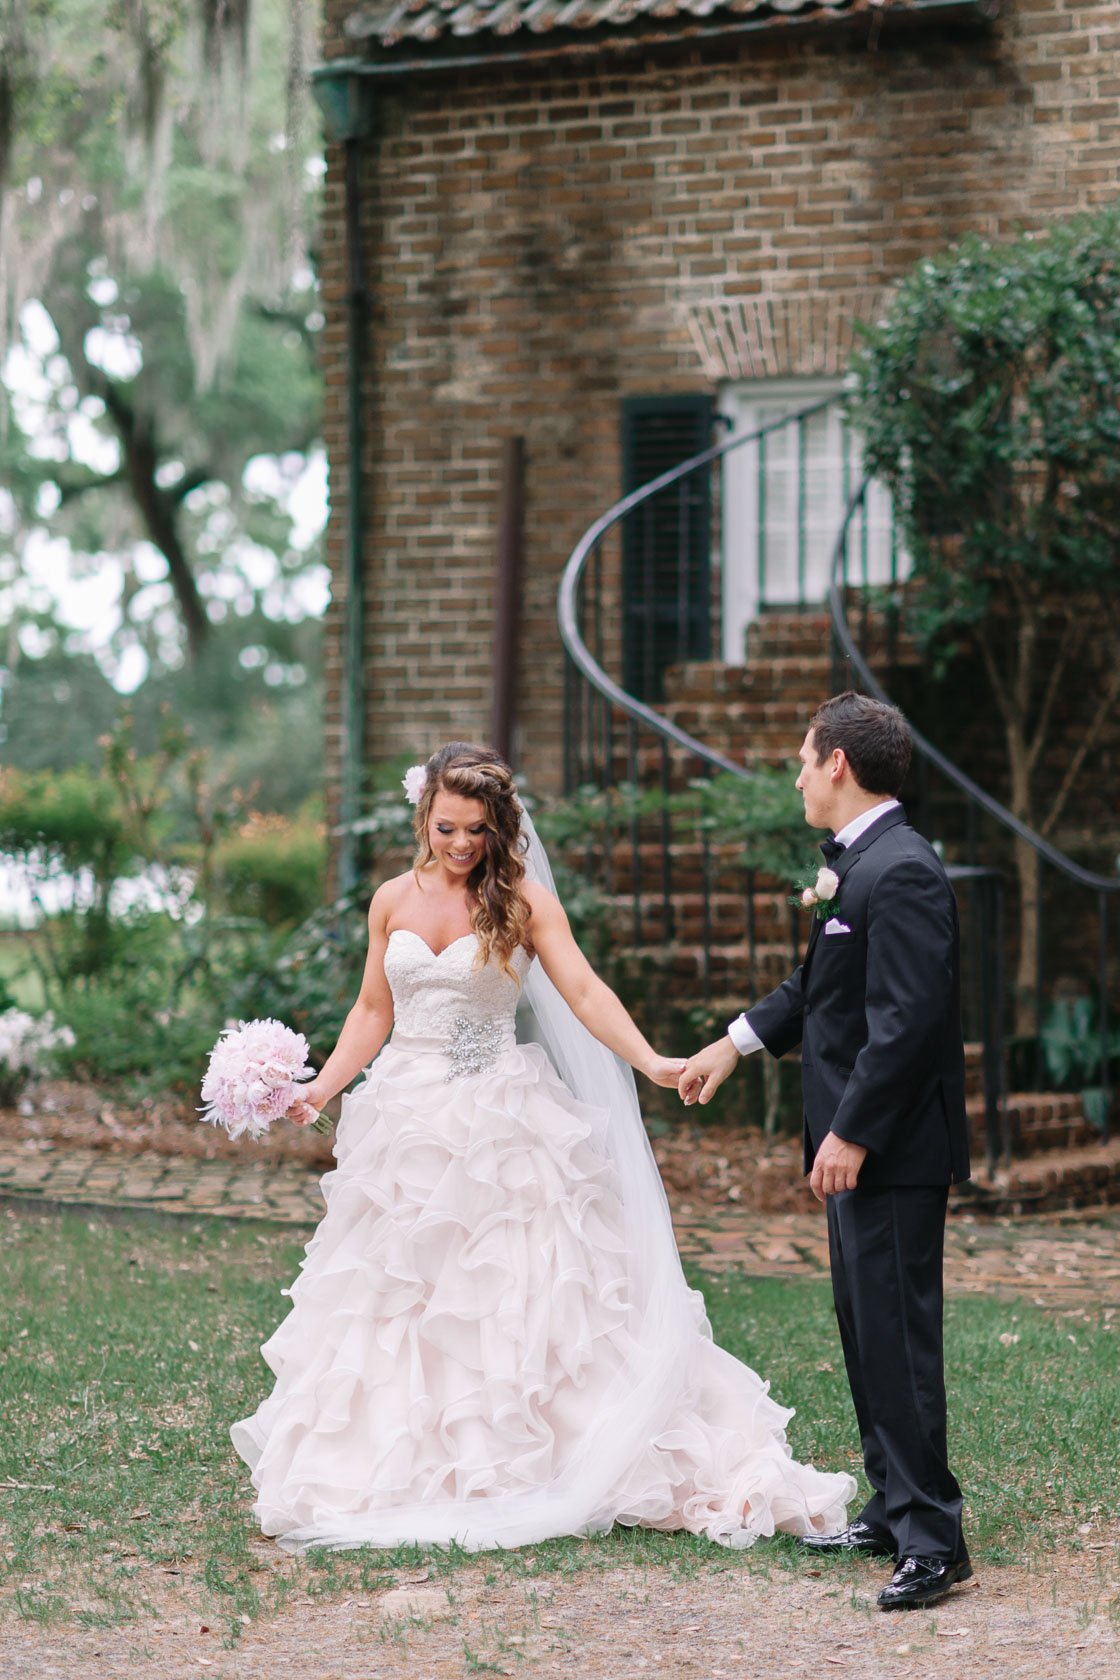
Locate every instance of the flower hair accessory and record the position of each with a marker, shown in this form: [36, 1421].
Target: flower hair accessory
[415, 781]
[821, 896]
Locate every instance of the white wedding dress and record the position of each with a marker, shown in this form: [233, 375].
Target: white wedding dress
[484, 1344]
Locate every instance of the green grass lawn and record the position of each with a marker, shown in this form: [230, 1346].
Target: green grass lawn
[126, 1349]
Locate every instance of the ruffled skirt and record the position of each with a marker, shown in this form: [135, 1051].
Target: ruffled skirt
[462, 1327]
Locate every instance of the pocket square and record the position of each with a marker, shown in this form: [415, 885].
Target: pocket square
[834, 925]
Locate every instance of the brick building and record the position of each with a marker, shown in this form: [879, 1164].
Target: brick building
[561, 208]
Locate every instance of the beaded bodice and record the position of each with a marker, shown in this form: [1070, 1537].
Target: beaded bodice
[433, 993]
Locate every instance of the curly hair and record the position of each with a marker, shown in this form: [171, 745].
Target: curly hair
[500, 911]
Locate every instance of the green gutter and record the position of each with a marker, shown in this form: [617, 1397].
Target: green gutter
[347, 113]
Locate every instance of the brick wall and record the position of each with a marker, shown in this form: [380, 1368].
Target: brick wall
[540, 243]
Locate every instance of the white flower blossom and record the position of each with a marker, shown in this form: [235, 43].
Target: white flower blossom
[253, 1076]
[415, 781]
[828, 885]
[27, 1040]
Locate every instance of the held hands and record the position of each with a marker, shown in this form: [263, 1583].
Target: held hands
[665, 1070]
[705, 1072]
[836, 1166]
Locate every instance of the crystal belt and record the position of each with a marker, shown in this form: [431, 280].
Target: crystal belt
[475, 1046]
[470, 1046]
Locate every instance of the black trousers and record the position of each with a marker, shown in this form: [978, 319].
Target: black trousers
[887, 1252]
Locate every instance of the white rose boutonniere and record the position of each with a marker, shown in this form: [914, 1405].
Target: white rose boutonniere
[820, 898]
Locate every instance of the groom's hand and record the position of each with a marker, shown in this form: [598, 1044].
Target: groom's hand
[836, 1166]
[705, 1072]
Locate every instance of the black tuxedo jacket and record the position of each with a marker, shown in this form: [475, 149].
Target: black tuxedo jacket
[875, 1007]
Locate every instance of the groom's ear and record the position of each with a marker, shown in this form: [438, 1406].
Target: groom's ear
[839, 764]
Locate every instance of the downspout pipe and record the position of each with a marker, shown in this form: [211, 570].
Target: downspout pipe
[507, 603]
[347, 108]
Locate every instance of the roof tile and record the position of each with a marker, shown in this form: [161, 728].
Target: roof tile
[385, 24]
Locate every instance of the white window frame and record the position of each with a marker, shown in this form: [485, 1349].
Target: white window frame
[747, 405]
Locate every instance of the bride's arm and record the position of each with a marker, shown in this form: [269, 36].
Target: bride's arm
[588, 997]
[367, 1025]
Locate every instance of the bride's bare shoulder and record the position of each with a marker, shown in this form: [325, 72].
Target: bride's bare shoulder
[388, 897]
[544, 906]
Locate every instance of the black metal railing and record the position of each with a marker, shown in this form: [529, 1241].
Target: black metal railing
[615, 744]
[673, 883]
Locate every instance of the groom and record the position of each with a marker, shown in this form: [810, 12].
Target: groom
[875, 1007]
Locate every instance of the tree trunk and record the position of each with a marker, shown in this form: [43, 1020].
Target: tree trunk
[1030, 930]
[1025, 1003]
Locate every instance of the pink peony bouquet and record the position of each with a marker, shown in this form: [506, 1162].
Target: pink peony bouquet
[253, 1078]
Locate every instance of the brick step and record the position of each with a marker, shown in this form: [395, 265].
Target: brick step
[787, 634]
[727, 918]
[620, 872]
[1087, 1177]
[1037, 1122]
[740, 720]
[774, 749]
[677, 970]
[804, 680]
[749, 744]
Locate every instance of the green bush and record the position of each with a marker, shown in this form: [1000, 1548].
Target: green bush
[150, 1017]
[989, 401]
[273, 868]
[124, 1034]
[762, 814]
[308, 976]
[68, 825]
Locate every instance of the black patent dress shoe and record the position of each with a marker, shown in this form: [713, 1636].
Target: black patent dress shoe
[858, 1537]
[919, 1581]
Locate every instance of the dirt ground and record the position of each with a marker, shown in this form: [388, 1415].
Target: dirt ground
[754, 1619]
[1061, 1618]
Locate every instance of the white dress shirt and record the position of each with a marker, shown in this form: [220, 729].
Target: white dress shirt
[740, 1031]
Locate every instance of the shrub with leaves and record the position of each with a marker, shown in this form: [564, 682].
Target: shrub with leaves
[308, 976]
[762, 814]
[989, 400]
[273, 867]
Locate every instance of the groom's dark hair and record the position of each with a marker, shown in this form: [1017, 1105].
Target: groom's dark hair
[874, 737]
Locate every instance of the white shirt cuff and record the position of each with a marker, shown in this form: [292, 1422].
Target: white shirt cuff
[743, 1036]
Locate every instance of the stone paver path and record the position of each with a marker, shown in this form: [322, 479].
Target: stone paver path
[1063, 1261]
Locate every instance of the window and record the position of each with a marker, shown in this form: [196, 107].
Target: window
[784, 501]
[666, 541]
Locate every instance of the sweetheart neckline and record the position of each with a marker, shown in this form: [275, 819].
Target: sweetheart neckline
[435, 954]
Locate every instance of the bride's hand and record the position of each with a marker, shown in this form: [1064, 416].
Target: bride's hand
[665, 1070]
[307, 1106]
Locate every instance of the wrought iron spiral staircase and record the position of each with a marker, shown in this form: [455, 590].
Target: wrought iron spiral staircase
[615, 740]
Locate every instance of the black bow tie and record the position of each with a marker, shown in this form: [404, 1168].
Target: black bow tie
[831, 850]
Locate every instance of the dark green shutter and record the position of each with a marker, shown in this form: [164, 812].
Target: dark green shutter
[666, 542]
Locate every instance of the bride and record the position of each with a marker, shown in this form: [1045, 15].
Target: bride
[491, 1340]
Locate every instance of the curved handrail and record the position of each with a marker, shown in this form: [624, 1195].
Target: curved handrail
[568, 614]
[585, 662]
[1007, 819]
